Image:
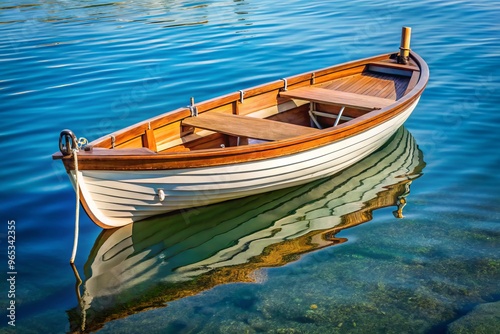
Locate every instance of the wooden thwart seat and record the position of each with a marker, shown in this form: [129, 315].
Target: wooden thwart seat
[244, 126]
[394, 64]
[339, 98]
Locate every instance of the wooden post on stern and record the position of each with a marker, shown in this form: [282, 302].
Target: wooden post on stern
[404, 49]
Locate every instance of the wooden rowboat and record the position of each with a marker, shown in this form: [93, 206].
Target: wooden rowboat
[281, 134]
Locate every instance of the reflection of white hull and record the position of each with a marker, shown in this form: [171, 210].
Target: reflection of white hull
[117, 198]
[179, 247]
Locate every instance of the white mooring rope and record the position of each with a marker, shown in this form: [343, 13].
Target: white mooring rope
[77, 209]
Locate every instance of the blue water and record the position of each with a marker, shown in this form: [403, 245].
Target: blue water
[96, 67]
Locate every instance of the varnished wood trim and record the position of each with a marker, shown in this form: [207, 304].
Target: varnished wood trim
[413, 81]
[217, 102]
[118, 152]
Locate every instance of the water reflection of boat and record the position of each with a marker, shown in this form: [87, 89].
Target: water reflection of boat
[145, 265]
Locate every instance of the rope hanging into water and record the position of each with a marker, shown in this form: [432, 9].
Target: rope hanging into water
[77, 209]
[69, 145]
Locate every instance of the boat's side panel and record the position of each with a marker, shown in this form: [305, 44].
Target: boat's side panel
[116, 198]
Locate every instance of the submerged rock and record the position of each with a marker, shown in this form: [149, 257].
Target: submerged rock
[484, 318]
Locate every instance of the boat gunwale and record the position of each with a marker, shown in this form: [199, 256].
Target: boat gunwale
[229, 155]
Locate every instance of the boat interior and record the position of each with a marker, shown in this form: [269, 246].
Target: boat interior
[282, 109]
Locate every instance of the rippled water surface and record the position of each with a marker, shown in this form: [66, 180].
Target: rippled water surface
[96, 67]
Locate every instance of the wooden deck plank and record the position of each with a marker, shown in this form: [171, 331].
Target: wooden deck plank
[375, 91]
[388, 92]
[350, 84]
[335, 84]
[343, 83]
[374, 84]
[339, 82]
[361, 84]
[244, 126]
[380, 85]
[357, 86]
[339, 98]
[365, 85]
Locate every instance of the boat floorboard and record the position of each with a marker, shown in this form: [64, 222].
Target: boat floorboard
[370, 83]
